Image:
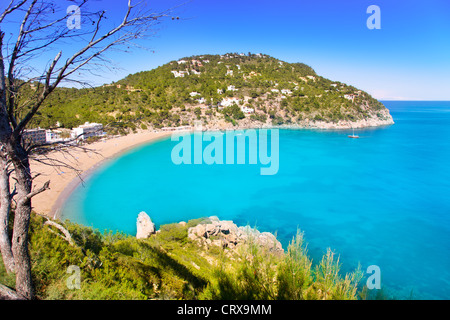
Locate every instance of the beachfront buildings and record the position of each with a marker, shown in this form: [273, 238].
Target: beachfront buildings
[88, 130]
[43, 136]
[53, 136]
[34, 136]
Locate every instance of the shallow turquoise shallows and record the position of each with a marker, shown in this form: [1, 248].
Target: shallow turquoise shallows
[382, 199]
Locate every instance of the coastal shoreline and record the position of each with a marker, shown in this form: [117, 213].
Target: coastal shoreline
[62, 184]
[373, 121]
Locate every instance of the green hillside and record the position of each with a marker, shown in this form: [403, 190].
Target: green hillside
[193, 88]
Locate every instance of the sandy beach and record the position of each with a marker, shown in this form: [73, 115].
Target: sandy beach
[63, 181]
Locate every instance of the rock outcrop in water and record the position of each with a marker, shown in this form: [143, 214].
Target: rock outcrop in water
[227, 234]
[145, 226]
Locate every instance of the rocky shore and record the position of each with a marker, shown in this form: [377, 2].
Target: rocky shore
[381, 118]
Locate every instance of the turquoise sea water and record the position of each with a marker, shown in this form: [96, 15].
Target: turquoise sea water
[380, 200]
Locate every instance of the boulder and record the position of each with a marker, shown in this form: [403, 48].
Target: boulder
[145, 226]
[228, 235]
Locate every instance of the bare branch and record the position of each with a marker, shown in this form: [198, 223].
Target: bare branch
[50, 69]
[66, 232]
[40, 190]
[11, 8]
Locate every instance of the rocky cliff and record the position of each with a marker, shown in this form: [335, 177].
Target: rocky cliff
[226, 234]
[214, 232]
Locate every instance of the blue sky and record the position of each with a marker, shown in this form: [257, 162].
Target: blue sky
[407, 59]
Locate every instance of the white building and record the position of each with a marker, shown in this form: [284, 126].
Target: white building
[194, 94]
[286, 91]
[201, 100]
[247, 110]
[196, 72]
[181, 61]
[179, 74]
[53, 135]
[227, 102]
[88, 130]
[231, 88]
[349, 96]
[275, 90]
[229, 72]
[36, 136]
[197, 62]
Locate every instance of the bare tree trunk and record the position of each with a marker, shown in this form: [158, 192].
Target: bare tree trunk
[5, 207]
[5, 196]
[24, 284]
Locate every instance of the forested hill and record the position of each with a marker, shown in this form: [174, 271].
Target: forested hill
[225, 91]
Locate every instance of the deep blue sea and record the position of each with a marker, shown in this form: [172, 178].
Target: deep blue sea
[382, 199]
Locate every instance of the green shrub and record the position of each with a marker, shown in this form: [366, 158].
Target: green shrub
[173, 232]
[259, 274]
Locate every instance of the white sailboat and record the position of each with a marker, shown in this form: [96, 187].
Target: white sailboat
[353, 135]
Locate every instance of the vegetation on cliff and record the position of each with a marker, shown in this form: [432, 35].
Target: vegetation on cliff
[170, 266]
